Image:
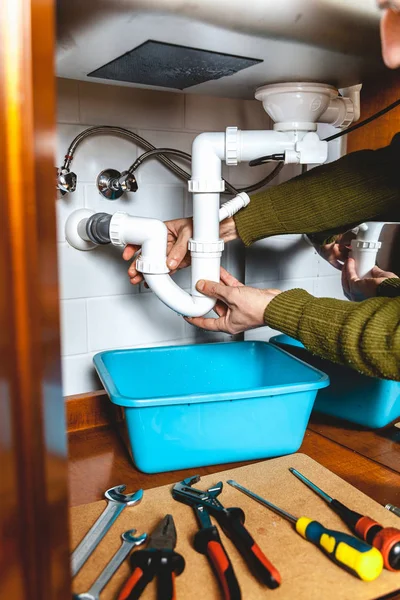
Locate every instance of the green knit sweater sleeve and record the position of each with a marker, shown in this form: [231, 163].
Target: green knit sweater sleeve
[364, 336]
[361, 186]
[389, 287]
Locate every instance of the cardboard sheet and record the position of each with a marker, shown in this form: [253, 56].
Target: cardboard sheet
[307, 574]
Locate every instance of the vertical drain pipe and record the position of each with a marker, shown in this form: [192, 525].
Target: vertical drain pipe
[206, 185]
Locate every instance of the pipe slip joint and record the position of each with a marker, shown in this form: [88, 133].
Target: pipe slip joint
[98, 228]
[216, 246]
[115, 229]
[365, 245]
[206, 186]
[232, 145]
[151, 266]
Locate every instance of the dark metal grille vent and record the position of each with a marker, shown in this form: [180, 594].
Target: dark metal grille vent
[168, 65]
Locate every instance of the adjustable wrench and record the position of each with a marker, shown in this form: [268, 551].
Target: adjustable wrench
[232, 522]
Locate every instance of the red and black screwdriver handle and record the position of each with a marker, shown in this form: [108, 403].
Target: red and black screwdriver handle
[146, 564]
[385, 539]
[232, 523]
[207, 541]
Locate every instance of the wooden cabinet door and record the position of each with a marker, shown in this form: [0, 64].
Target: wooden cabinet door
[34, 556]
[375, 95]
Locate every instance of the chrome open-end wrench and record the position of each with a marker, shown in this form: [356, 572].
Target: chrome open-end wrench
[128, 542]
[116, 504]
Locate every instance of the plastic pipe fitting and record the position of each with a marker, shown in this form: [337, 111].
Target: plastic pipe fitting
[85, 230]
[365, 247]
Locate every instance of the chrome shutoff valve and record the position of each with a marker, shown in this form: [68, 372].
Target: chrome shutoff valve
[112, 184]
[66, 181]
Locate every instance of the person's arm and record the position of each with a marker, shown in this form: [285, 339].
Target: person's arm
[361, 186]
[390, 287]
[364, 336]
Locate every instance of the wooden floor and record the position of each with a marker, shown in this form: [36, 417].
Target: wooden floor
[369, 460]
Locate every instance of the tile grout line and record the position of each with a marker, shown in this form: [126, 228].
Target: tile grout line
[87, 325]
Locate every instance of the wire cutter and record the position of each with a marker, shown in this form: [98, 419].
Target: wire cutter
[158, 559]
[231, 521]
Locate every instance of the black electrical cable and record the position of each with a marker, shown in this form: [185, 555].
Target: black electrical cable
[266, 159]
[262, 182]
[378, 114]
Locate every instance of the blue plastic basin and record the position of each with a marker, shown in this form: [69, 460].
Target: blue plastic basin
[204, 404]
[352, 396]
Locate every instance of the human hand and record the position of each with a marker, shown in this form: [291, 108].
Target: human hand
[238, 307]
[179, 233]
[390, 30]
[357, 289]
[338, 251]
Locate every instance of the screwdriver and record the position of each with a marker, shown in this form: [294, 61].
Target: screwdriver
[385, 539]
[355, 556]
[394, 509]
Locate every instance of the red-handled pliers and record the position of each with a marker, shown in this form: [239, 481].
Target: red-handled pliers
[232, 522]
[208, 542]
[157, 560]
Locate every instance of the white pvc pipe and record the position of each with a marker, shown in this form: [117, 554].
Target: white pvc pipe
[206, 217]
[209, 149]
[151, 234]
[231, 207]
[365, 261]
[254, 144]
[176, 298]
[365, 247]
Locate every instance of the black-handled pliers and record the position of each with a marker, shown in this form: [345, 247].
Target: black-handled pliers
[158, 560]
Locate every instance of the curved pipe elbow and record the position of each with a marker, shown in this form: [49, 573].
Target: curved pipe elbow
[176, 298]
[155, 243]
[129, 229]
[208, 150]
[152, 234]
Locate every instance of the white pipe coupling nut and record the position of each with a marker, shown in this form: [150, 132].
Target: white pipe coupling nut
[197, 186]
[362, 245]
[292, 157]
[232, 145]
[206, 247]
[349, 114]
[150, 266]
[115, 229]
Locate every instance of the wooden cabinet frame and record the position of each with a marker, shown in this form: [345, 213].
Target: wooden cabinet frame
[34, 553]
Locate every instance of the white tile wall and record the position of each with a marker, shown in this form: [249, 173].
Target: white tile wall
[130, 107]
[101, 272]
[208, 113]
[99, 307]
[73, 327]
[79, 375]
[161, 201]
[125, 321]
[329, 287]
